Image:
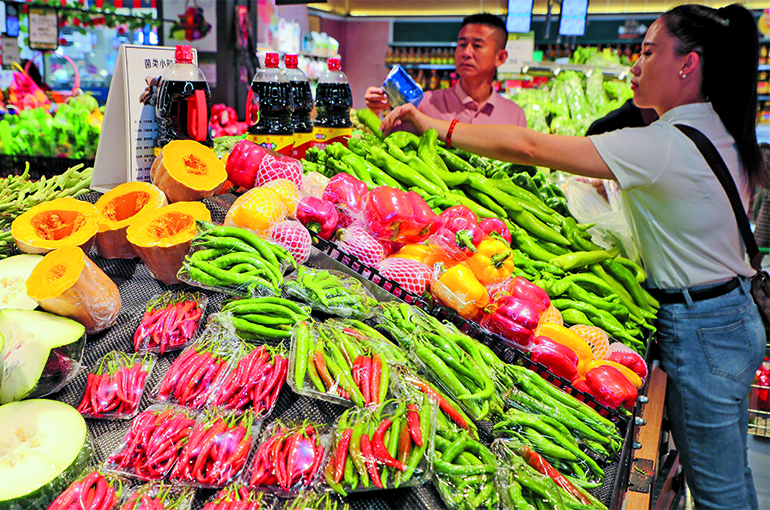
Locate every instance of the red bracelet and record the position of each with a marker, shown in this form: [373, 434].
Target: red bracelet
[449, 132]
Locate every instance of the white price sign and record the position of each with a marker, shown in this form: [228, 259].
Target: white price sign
[43, 29]
[520, 49]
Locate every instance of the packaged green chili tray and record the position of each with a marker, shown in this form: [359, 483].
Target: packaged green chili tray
[331, 292]
[343, 362]
[289, 458]
[382, 447]
[161, 495]
[235, 261]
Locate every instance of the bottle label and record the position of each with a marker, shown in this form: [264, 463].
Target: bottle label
[279, 143]
[302, 142]
[326, 136]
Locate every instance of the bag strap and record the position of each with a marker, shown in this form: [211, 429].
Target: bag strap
[717, 164]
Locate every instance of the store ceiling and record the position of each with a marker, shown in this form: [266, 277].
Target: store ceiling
[465, 7]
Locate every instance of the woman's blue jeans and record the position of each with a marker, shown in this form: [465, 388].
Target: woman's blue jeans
[710, 351]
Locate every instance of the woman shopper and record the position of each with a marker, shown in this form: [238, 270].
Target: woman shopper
[699, 68]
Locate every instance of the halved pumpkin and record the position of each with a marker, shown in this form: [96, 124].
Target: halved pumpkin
[68, 283]
[187, 170]
[56, 224]
[117, 208]
[163, 237]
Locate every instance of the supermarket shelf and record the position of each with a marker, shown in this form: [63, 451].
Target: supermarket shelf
[438, 67]
[423, 45]
[553, 69]
[764, 67]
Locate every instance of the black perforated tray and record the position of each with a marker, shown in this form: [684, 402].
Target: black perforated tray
[137, 286]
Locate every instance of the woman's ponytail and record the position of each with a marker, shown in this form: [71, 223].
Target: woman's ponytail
[727, 40]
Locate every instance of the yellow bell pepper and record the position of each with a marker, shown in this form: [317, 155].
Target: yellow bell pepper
[492, 262]
[632, 376]
[458, 289]
[569, 338]
[425, 253]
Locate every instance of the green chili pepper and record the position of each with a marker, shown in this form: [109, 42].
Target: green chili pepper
[578, 293]
[572, 316]
[599, 318]
[629, 281]
[580, 259]
[400, 171]
[416, 164]
[522, 240]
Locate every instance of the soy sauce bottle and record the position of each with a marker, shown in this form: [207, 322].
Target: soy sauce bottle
[333, 101]
[303, 105]
[183, 106]
[269, 108]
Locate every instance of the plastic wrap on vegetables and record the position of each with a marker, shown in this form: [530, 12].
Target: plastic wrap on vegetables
[169, 322]
[264, 319]
[93, 490]
[216, 450]
[289, 457]
[159, 496]
[331, 292]
[382, 447]
[115, 385]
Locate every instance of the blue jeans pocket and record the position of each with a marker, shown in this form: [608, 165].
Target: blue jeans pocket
[729, 349]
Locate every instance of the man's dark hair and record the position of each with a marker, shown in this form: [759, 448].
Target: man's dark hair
[490, 20]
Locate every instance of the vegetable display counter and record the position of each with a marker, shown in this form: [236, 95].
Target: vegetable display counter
[137, 286]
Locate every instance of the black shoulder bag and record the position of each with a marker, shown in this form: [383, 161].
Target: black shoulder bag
[760, 282]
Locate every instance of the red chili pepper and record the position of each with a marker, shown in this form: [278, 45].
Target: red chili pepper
[371, 464]
[544, 467]
[374, 391]
[443, 404]
[341, 455]
[366, 379]
[413, 421]
[405, 439]
[320, 365]
[379, 449]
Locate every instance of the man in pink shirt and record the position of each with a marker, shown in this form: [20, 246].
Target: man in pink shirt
[480, 50]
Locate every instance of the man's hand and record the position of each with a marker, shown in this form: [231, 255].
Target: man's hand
[376, 99]
[406, 113]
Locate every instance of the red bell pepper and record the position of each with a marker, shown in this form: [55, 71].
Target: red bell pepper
[458, 236]
[318, 216]
[347, 194]
[763, 381]
[631, 360]
[458, 210]
[386, 209]
[558, 358]
[521, 288]
[243, 163]
[610, 387]
[424, 221]
[496, 226]
[513, 319]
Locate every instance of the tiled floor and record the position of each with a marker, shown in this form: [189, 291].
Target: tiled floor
[759, 460]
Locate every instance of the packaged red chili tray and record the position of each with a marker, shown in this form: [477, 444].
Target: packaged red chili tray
[254, 381]
[383, 447]
[159, 496]
[216, 450]
[153, 443]
[342, 362]
[289, 458]
[169, 322]
[115, 386]
[93, 490]
[195, 374]
[240, 497]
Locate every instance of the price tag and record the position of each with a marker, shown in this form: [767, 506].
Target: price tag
[10, 49]
[43, 29]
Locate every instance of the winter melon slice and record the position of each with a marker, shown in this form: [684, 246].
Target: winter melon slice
[14, 272]
[44, 445]
[41, 352]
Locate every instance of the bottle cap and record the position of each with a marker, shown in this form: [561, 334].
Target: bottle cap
[183, 54]
[334, 64]
[271, 60]
[290, 61]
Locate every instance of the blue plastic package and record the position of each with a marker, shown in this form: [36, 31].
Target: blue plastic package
[401, 88]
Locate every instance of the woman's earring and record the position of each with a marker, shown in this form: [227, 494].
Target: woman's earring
[681, 73]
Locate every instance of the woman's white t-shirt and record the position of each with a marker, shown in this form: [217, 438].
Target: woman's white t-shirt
[679, 213]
